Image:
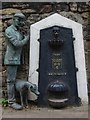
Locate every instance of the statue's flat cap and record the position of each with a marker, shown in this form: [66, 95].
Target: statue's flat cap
[21, 15]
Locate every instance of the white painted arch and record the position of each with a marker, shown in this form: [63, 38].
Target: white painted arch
[57, 19]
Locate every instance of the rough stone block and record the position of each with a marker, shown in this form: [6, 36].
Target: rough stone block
[85, 45]
[0, 74]
[73, 16]
[85, 15]
[4, 84]
[28, 11]
[46, 9]
[0, 64]
[0, 81]
[73, 7]
[20, 5]
[0, 92]
[3, 68]
[1, 34]
[0, 68]
[9, 11]
[3, 49]
[88, 45]
[0, 29]
[4, 73]
[6, 17]
[0, 46]
[9, 22]
[42, 16]
[0, 26]
[85, 22]
[62, 7]
[83, 7]
[4, 92]
[0, 23]
[0, 57]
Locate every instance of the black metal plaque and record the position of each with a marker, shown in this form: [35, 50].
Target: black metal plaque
[57, 61]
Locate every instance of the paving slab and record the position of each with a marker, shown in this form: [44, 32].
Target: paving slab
[38, 112]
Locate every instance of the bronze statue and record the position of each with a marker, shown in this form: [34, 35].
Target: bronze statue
[15, 41]
[23, 87]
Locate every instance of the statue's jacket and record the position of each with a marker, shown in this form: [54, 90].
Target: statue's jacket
[15, 40]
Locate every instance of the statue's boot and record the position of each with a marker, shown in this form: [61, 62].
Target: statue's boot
[16, 106]
[11, 97]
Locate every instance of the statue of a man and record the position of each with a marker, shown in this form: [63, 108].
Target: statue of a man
[15, 41]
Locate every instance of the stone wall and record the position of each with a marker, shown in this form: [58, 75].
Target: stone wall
[79, 12]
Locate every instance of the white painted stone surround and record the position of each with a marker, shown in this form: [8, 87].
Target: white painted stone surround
[59, 20]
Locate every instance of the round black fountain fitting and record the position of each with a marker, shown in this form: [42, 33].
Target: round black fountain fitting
[58, 94]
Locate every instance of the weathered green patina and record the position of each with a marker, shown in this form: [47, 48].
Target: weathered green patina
[15, 41]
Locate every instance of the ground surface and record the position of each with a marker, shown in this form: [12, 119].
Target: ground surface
[35, 112]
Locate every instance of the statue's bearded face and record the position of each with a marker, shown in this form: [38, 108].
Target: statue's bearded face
[19, 22]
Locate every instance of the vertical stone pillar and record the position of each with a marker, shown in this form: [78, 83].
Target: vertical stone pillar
[88, 53]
